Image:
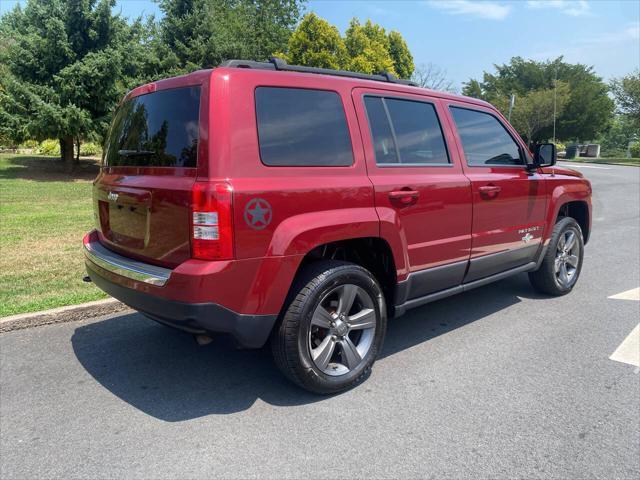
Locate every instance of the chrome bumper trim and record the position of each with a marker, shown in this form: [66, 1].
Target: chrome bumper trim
[126, 267]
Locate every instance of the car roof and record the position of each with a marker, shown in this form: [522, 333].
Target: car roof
[353, 83]
[199, 76]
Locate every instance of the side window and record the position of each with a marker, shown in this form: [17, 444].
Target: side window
[302, 127]
[485, 140]
[405, 132]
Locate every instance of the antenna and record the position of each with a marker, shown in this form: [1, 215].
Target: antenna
[555, 96]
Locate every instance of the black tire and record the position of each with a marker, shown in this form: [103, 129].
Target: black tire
[545, 279]
[290, 340]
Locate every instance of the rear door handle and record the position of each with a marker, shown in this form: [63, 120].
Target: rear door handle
[404, 197]
[489, 191]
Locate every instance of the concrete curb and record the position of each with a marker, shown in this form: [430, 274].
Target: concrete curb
[62, 314]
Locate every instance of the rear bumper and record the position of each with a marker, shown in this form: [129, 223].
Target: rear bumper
[110, 272]
[97, 254]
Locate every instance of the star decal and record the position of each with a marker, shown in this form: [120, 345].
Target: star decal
[257, 213]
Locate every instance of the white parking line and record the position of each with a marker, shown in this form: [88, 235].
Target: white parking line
[575, 165]
[633, 294]
[629, 350]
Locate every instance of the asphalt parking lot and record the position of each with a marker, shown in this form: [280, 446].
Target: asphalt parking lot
[498, 382]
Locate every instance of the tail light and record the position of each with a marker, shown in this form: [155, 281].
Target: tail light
[211, 222]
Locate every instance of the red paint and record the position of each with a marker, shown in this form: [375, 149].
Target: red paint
[429, 216]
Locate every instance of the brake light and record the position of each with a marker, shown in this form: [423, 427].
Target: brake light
[211, 221]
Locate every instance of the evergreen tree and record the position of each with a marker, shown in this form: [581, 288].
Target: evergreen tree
[199, 34]
[65, 65]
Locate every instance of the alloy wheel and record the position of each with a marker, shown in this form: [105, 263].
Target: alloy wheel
[567, 258]
[342, 329]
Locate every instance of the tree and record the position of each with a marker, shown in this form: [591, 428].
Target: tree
[616, 139]
[401, 56]
[368, 48]
[533, 112]
[11, 127]
[626, 91]
[199, 34]
[365, 48]
[430, 76]
[588, 110]
[316, 43]
[473, 88]
[65, 65]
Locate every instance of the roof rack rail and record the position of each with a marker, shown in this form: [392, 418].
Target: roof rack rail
[278, 64]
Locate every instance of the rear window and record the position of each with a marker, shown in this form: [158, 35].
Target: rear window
[158, 129]
[302, 127]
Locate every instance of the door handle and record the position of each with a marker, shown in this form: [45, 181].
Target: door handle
[404, 197]
[489, 191]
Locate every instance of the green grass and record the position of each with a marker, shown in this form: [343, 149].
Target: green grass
[607, 161]
[44, 213]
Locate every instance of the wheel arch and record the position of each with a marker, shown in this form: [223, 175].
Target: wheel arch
[573, 199]
[373, 253]
[579, 211]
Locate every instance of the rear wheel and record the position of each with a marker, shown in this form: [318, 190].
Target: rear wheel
[562, 262]
[333, 328]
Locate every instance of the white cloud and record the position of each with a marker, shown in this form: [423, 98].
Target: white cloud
[633, 31]
[487, 10]
[575, 8]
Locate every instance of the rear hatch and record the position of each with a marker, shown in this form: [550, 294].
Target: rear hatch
[142, 197]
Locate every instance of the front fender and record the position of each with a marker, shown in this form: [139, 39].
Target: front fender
[568, 191]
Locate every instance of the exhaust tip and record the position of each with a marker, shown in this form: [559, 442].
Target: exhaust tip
[203, 340]
[86, 279]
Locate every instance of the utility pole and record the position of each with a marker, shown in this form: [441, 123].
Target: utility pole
[512, 101]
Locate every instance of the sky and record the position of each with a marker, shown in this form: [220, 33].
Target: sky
[466, 37]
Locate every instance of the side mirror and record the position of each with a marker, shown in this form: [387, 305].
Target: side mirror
[544, 155]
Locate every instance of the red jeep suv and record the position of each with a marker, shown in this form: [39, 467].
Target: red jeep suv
[307, 206]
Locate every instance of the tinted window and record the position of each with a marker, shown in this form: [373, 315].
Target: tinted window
[381, 134]
[417, 131]
[157, 129]
[299, 127]
[418, 136]
[484, 140]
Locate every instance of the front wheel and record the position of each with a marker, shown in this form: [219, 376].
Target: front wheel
[333, 328]
[562, 262]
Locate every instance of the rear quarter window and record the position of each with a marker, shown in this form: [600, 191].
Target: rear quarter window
[302, 127]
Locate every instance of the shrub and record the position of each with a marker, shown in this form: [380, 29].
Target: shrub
[613, 153]
[29, 144]
[561, 147]
[49, 147]
[90, 149]
[634, 148]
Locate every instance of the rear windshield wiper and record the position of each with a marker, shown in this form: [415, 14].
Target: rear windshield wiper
[135, 153]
